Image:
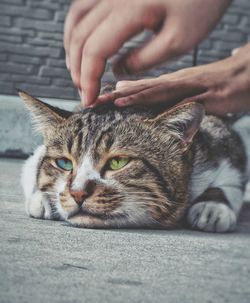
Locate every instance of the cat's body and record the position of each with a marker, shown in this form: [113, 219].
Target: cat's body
[172, 166]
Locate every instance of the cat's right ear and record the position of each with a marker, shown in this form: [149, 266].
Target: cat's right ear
[44, 116]
[182, 120]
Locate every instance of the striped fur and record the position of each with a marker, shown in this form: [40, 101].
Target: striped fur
[169, 151]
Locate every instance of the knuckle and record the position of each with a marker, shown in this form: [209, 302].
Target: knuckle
[76, 37]
[223, 93]
[88, 50]
[174, 43]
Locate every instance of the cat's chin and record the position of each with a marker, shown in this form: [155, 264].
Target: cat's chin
[88, 220]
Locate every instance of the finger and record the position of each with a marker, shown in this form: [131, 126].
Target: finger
[172, 92]
[79, 36]
[91, 87]
[121, 84]
[125, 91]
[159, 49]
[144, 97]
[100, 46]
[75, 13]
[128, 83]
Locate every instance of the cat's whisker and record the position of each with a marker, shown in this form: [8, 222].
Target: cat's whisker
[144, 201]
[162, 207]
[150, 196]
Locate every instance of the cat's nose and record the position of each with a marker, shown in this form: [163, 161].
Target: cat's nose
[79, 196]
[87, 190]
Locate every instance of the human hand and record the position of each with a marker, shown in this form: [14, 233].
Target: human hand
[96, 29]
[223, 87]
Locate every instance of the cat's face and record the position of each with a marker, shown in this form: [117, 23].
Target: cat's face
[108, 167]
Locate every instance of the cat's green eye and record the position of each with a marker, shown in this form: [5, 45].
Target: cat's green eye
[64, 163]
[118, 163]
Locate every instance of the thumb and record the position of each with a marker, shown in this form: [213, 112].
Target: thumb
[164, 46]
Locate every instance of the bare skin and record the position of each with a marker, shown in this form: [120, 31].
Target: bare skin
[96, 29]
[222, 86]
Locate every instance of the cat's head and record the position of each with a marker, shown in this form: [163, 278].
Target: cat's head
[116, 167]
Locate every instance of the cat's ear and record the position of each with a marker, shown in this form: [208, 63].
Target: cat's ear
[45, 117]
[183, 120]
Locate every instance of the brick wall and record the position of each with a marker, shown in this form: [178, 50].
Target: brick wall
[32, 56]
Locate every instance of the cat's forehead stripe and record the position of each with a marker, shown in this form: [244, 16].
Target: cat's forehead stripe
[96, 127]
[69, 144]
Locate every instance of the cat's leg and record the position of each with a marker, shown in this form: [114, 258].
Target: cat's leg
[211, 212]
[36, 204]
[217, 209]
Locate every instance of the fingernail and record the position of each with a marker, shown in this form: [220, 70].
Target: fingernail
[67, 62]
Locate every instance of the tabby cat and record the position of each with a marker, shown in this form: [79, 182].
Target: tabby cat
[109, 167]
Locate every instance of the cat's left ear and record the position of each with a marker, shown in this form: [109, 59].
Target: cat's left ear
[182, 120]
[45, 117]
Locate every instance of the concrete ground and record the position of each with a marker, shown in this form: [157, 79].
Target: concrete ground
[47, 261]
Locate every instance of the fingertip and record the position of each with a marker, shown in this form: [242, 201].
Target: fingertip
[89, 99]
[82, 104]
[82, 97]
[128, 65]
[122, 84]
[91, 91]
[101, 100]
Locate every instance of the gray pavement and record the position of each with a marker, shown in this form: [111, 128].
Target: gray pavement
[47, 261]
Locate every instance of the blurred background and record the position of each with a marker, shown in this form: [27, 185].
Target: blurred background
[32, 59]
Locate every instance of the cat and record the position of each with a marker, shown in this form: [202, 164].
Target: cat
[109, 167]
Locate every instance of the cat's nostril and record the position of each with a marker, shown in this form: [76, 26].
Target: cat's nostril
[79, 196]
[90, 187]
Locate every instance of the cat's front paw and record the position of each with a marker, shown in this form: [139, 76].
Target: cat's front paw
[212, 217]
[36, 207]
